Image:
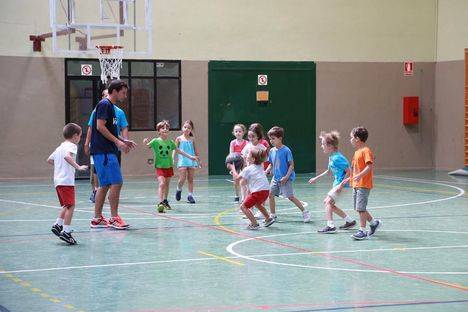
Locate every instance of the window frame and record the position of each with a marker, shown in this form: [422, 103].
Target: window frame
[129, 78]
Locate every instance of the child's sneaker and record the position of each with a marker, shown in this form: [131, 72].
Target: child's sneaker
[327, 230]
[166, 203]
[359, 235]
[306, 216]
[56, 229]
[178, 195]
[117, 223]
[269, 222]
[348, 225]
[253, 227]
[99, 223]
[273, 215]
[190, 199]
[92, 197]
[161, 207]
[374, 228]
[67, 237]
[236, 199]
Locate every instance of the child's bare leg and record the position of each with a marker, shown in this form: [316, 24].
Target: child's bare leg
[190, 175]
[182, 178]
[161, 187]
[296, 202]
[95, 181]
[166, 191]
[363, 218]
[114, 196]
[271, 199]
[68, 215]
[100, 197]
[236, 187]
[368, 216]
[62, 213]
[249, 215]
[263, 211]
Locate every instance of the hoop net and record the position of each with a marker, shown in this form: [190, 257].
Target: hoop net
[110, 59]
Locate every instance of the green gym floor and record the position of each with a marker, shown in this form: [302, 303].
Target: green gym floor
[201, 258]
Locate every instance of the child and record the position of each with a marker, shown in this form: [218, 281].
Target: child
[63, 160]
[338, 165]
[236, 146]
[254, 178]
[186, 166]
[162, 149]
[361, 181]
[282, 165]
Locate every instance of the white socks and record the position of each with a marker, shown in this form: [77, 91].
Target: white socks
[59, 221]
[67, 228]
[348, 219]
[330, 224]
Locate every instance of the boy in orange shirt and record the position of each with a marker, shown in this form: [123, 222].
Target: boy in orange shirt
[361, 181]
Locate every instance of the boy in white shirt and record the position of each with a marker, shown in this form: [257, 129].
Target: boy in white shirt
[63, 160]
[253, 176]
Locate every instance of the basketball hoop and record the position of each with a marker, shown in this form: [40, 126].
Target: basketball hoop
[110, 59]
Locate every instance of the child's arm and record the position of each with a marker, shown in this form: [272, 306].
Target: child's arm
[146, 141]
[196, 154]
[179, 151]
[87, 141]
[69, 159]
[268, 169]
[313, 180]
[234, 173]
[177, 143]
[366, 170]
[345, 179]
[285, 179]
[50, 161]
[231, 147]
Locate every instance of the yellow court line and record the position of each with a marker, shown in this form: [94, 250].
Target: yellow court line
[221, 258]
[217, 220]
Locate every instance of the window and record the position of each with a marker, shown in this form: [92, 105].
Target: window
[154, 90]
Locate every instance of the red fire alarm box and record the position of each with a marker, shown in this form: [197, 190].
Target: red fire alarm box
[410, 110]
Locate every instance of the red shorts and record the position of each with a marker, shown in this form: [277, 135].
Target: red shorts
[164, 172]
[255, 198]
[66, 195]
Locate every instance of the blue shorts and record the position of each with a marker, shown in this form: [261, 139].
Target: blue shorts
[108, 169]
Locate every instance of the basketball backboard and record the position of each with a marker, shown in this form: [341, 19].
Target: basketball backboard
[78, 26]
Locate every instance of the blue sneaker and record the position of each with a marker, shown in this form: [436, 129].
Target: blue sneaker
[374, 228]
[190, 199]
[92, 197]
[359, 235]
[178, 195]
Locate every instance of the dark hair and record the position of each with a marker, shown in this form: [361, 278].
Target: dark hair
[361, 133]
[258, 129]
[116, 85]
[330, 138]
[191, 125]
[103, 92]
[163, 123]
[258, 155]
[70, 130]
[276, 132]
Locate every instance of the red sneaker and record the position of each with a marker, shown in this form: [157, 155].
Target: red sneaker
[99, 223]
[118, 223]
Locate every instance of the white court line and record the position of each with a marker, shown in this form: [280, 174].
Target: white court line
[230, 249]
[257, 256]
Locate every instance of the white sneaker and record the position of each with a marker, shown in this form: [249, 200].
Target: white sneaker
[273, 215]
[258, 215]
[306, 216]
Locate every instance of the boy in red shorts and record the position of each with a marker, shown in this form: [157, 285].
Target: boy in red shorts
[163, 148]
[63, 160]
[258, 189]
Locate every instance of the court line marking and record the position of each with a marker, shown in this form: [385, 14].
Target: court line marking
[256, 256]
[221, 258]
[230, 249]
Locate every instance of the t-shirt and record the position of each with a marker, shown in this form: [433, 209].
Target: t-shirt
[162, 150]
[362, 157]
[256, 178]
[64, 173]
[119, 115]
[99, 143]
[236, 147]
[248, 146]
[338, 164]
[280, 158]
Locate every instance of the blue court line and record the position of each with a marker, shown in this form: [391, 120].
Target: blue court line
[382, 305]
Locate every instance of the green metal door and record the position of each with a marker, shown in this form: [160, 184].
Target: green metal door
[291, 105]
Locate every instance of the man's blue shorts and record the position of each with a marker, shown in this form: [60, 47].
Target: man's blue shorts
[108, 169]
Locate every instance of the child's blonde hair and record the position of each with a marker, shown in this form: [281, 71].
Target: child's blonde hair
[331, 138]
[162, 124]
[258, 155]
[242, 126]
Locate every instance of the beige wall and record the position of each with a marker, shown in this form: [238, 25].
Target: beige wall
[370, 94]
[293, 30]
[452, 30]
